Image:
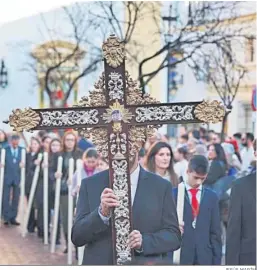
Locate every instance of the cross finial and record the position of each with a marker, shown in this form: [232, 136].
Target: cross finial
[114, 51]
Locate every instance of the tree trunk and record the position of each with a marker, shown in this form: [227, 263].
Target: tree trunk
[224, 121]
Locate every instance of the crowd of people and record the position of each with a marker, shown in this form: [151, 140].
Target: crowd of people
[200, 156]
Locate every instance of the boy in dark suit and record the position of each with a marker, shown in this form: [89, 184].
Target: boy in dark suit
[201, 240]
[12, 181]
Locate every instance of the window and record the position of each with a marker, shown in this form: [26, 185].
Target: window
[250, 50]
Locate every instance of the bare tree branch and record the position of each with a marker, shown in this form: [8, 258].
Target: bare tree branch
[209, 23]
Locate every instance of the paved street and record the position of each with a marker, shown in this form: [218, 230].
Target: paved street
[15, 250]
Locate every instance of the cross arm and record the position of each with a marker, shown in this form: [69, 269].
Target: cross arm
[61, 118]
[177, 113]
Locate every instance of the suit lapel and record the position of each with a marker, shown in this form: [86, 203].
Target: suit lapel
[187, 198]
[202, 196]
[140, 195]
[187, 206]
[19, 153]
[9, 153]
[203, 204]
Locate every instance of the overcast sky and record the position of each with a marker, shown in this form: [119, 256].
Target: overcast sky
[16, 9]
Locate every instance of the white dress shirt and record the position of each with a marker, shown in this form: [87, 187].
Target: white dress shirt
[134, 176]
[247, 156]
[198, 194]
[133, 183]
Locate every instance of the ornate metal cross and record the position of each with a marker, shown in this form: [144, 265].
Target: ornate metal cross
[118, 118]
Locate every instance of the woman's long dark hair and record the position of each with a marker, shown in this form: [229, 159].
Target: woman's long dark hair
[54, 140]
[39, 144]
[150, 161]
[220, 153]
[70, 132]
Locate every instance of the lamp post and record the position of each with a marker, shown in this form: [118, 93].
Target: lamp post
[3, 75]
[171, 83]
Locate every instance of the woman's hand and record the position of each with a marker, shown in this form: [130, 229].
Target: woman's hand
[181, 227]
[22, 165]
[44, 165]
[58, 175]
[37, 162]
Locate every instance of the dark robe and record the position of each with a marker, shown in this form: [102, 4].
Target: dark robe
[241, 230]
[77, 154]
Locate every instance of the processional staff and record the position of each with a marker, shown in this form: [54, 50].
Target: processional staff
[56, 203]
[70, 210]
[79, 178]
[2, 163]
[32, 194]
[45, 194]
[22, 186]
[180, 212]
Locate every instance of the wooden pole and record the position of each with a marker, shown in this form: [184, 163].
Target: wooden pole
[180, 212]
[22, 185]
[31, 195]
[70, 210]
[56, 205]
[2, 181]
[24, 139]
[79, 178]
[45, 198]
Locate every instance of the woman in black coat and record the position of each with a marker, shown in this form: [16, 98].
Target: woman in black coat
[51, 147]
[218, 164]
[69, 150]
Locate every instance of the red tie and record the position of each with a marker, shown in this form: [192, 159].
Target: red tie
[195, 204]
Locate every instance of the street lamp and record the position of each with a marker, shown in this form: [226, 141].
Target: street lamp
[169, 19]
[171, 84]
[3, 75]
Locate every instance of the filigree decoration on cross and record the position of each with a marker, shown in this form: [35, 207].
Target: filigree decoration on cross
[134, 96]
[210, 111]
[163, 113]
[114, 51]
[115, 86]
[58, 118]
[99, 138]
[95, 97]
[121, 223]
[21, 120]
[118, 145]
